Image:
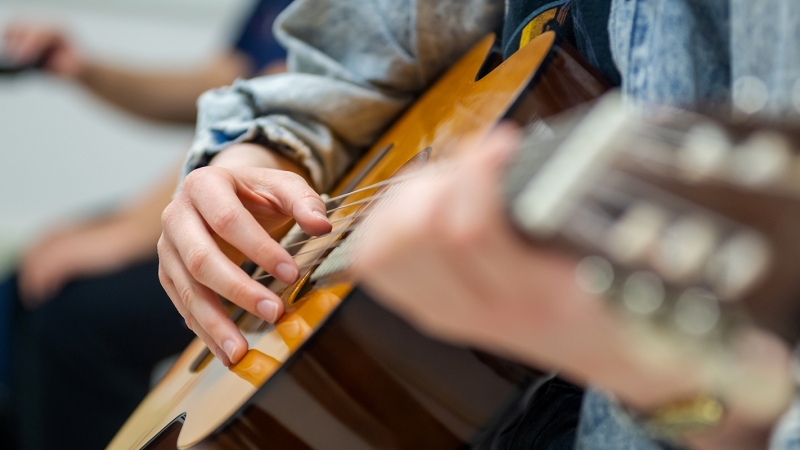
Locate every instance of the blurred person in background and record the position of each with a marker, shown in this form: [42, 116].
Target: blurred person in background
[91, 320]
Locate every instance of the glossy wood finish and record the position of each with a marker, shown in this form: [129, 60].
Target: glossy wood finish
[364, 379]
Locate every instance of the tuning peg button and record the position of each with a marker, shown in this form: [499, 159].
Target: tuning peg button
[630, 239]
[697, 311]
[684, 247]
[761, 159]
[704, 152]
[643, 293]
[594, 274]
[737, 264]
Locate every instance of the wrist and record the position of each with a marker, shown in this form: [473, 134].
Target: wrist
[84, 72]
[249, 155]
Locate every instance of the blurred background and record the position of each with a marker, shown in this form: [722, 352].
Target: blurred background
[66, 153]
[85, 326]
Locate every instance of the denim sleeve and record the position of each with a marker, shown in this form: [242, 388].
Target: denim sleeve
[354, 65]
[786, 434]
[604, 425]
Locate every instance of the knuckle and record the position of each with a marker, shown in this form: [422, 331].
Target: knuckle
[163, 276]
[199, 177]
[216, 329]
[226, 219]
[306, 191]
[241, 293]
[197, 259]
[265, 250]
[306, 195]
[290, 177]
[194, 178]
[188, 297]
[161, 246]
[167, 216]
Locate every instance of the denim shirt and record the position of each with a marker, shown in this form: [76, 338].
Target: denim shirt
[741, 54]
[354, 65]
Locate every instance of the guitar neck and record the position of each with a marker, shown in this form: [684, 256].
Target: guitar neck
[685, 223]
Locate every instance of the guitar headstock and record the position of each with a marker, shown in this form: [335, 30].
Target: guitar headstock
[688, 225]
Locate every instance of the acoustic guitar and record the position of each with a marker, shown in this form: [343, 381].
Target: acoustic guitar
[685, 224]
[337, 371]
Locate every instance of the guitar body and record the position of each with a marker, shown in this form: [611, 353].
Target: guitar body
[338, 371]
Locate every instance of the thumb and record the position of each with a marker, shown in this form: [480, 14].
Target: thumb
[300, 201]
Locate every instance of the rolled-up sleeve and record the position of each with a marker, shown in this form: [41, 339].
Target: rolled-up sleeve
[354, 65]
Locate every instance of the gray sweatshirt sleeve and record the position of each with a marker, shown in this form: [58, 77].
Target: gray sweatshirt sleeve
[354, 65]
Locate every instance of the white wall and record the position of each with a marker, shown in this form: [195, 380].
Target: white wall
[64, 152]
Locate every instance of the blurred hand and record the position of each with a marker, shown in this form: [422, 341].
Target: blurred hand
[29, 44]
[221, 216]
[443, 255]
[85, 250]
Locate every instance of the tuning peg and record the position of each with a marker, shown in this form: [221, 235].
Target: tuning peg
[630, 239]
[761, 159]
[697, 311]
[594, 274]
[704, 152]
[684, 247]
[643, 293]
[737, 264]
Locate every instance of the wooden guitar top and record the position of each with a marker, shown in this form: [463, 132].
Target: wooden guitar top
[456, 106]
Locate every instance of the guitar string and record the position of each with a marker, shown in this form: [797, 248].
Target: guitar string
[652, 132]
[307, 252]
[388, 182]
[336, 233]
[313, 238]
[334, 236]
[353, 216]
[439, 167]
[267, 276]
[648, 130]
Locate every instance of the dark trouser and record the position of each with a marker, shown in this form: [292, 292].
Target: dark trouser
[82, 362]
[550, 421]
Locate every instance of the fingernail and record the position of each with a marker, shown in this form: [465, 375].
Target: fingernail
[230, 348]
[321, 215]
[286, 273]
[268, 310]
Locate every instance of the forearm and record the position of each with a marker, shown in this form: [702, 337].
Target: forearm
[163, 96]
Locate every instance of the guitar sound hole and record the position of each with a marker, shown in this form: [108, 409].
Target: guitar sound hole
[167, 439]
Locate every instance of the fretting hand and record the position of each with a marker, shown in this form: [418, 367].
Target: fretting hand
[223, 214]
[443, 255]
